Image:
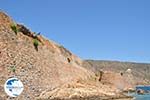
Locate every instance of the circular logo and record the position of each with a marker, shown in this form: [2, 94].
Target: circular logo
[13, 87]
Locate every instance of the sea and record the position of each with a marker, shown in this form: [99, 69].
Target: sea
[141, 97]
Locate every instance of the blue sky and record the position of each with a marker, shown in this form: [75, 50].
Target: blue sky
[91, 29]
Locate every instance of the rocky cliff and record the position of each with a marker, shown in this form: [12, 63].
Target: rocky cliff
[47, 69]
[120, 74]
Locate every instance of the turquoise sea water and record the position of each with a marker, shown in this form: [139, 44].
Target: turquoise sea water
[140, 97]
[145, 88]
[145, 96]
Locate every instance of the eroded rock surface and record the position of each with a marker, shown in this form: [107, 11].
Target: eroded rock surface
[52, 72]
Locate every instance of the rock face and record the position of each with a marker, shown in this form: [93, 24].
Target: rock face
[48, 68]
[122, 75]
[51, 72]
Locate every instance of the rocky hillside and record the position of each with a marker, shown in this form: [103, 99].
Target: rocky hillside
[47, 70]
[44, 69]
[131, 73]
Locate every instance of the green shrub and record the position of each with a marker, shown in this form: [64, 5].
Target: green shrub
[13, 69]
[36, 44]
[14, 28]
